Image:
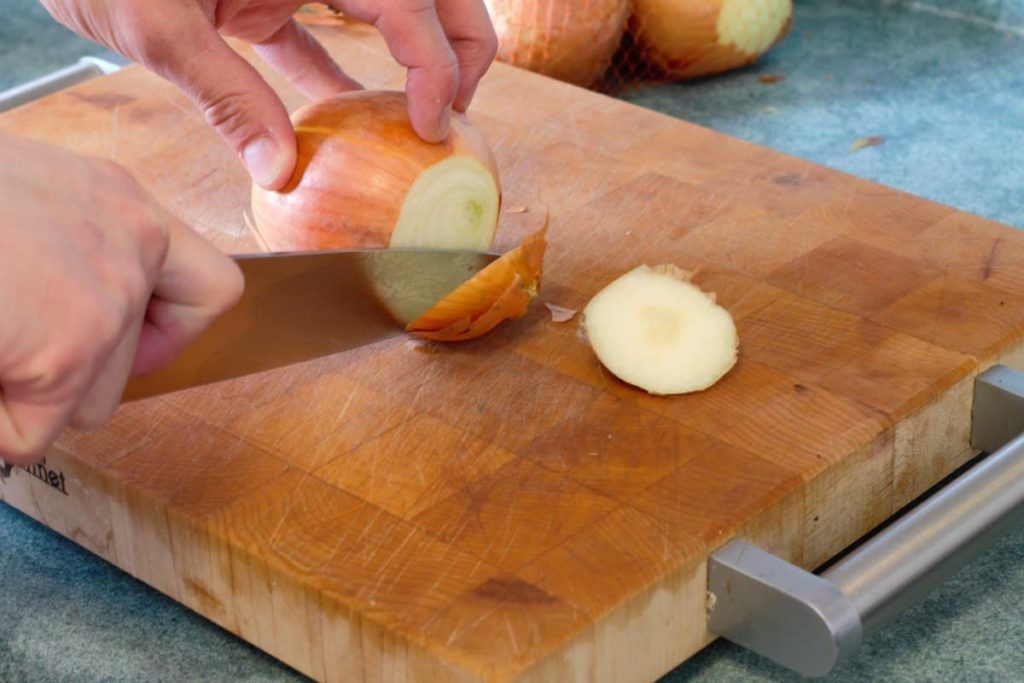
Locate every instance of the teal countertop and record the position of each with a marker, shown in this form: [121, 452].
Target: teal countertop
[941, 81]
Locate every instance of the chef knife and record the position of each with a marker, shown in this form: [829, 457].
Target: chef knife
[305, 305]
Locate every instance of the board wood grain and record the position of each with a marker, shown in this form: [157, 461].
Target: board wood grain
[504, 509]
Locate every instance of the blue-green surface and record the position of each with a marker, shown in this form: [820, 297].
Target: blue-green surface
[948, 96]
[1005, 14]
[32, 44]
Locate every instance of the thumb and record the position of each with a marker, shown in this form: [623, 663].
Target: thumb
[239, 104]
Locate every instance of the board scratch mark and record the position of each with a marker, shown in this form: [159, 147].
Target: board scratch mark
[343, 413]
[382, 574]
[428, 380]
[484, 615]
[369, 526]
[456, 630]
[507, 533]
[512, 634]
[469, 515]
[374, 462]
[991, 259]
[293, 501]
[156, 420]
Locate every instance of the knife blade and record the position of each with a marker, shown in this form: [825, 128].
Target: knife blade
[298, 306]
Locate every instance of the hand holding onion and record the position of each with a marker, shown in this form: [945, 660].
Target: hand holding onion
[446, 45]
[364, 179]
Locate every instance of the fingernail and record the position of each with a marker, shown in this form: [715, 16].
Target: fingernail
[262, 158]
[444, 121]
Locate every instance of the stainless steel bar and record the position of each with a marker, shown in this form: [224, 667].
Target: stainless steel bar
[779, 610]
[997, 414]
[82, 70]
[905, 562]
[758, 597]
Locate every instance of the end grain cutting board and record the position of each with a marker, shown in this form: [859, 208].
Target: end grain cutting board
[504, 509]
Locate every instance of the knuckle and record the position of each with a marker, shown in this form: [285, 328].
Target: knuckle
[152, 45]
[445, 74]
[57, 372]
[418, 8]
[135, 287]
[100, 325]
[154, 239]
[226, 111]
[230, 291]
[477, 56]
[489, 45]
[132, 209]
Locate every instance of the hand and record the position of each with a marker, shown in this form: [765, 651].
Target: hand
[96, 281]
[447, 46]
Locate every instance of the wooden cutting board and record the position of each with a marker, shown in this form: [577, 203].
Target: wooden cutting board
[504, 509]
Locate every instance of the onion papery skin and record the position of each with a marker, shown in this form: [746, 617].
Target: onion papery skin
[359, 160]
[501, 291]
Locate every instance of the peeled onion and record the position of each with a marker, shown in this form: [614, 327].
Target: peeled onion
[365, 179]
[691, 38]
[656, 330]
[572, 42]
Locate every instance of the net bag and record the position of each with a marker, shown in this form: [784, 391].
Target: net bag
[608, 45]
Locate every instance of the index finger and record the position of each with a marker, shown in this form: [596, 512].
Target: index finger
[196, 284]
[417, 41]
[471, 34]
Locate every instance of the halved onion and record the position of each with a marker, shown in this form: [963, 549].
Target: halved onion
[365, 179]
[501, 291]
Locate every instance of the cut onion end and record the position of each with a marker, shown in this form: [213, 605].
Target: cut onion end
[451, 205]
[502, 291]
[656, 330]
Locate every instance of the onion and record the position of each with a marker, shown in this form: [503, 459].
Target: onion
[365, 179]
[691, 38]
[566, 41]
[656, 330]
[501, 291]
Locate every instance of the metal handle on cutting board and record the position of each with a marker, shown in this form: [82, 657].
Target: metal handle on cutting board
[82, 70]
[810, 623]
